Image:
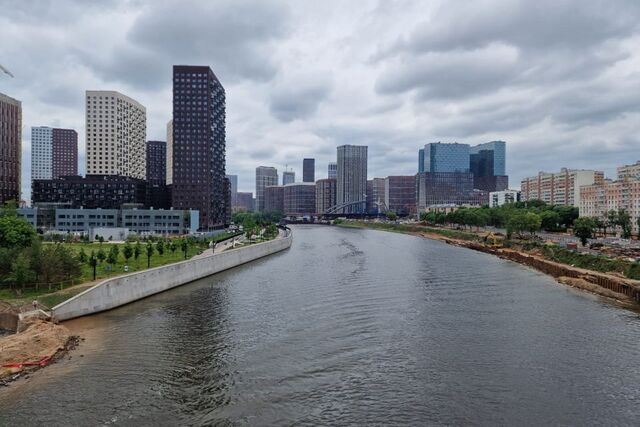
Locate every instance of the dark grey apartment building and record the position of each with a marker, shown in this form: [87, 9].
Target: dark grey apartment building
[10, 148]
[309, 170]
[199, 145]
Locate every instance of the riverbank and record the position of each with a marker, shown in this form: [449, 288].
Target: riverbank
[610, 285]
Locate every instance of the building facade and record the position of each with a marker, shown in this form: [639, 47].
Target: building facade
[351, 182]
[92, 191]
[169, 179]
[288, 177]
[562, 188]
[199, 145]
[597, 199]
[504, 197]
[233, 182]
[629, 171]
[244, 202]
[421, 160]
[300, 199]
[265, 176]
[446, 188]
[400, 194]
[10, 148]
[439, 157]
[274, 198]
[156, 164]
[54, 152]
[332, 170]
[308, 170]
[325, 195]
[488, 165]
[116, 127]
[376, 189]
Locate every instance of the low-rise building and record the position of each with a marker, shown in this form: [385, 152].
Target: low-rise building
[447, 188]
[562, 188]
[499, 198]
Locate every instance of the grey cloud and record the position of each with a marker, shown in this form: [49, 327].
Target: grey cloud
[298, 101]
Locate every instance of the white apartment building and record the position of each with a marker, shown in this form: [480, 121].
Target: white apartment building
[499, 198]
[562, 188]
[116, 127]
[41, 152]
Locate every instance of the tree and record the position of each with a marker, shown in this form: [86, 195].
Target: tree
[127, 252]
[15, 232]
[550, 220]
[82, 256]
[612, 220]
[112, 258]
[149, 253]
[21, 272]
[624, 221]
[184, 246]
[173, 246]
[160, 247]
[93, 262]
[101, 255]
[137, 251]
[391, 216]
[532, 222]
[583, 229]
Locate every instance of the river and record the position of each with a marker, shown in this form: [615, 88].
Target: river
[348, 327]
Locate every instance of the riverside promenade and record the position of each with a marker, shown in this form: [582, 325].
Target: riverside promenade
[118, 291]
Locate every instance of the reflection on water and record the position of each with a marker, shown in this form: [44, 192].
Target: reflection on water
[348, 327]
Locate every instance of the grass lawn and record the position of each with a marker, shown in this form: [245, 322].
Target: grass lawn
[57, 294]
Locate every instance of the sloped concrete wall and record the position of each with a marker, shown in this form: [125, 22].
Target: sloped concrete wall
[122, 290]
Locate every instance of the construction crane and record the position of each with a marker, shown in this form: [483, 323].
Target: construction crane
[4, 70]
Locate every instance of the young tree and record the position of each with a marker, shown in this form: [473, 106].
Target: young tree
[127, 252]
[137, 251]
[391, 216]
[184, 246]
[82, 256]
[21, 272]
[160, 247]
[173, 246]
[583, 229]
[112, 258]
[612, 220]
[149, 253]
[101, 255]
[624, 221]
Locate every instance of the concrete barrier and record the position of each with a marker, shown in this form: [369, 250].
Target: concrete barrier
[122, 290]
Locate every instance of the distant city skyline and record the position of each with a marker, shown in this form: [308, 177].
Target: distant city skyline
[409, 74]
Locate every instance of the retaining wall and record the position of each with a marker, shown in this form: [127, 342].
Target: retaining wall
[118, 291]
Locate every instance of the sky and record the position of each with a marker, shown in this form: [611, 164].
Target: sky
[558, 80]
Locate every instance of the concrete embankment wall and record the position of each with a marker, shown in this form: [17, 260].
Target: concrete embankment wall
[122, 290]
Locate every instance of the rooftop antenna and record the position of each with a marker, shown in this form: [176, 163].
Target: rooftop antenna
[4, 70]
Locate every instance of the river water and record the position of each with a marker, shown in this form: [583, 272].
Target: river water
[349, 327]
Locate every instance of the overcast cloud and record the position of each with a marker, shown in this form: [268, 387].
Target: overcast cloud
[558, 80]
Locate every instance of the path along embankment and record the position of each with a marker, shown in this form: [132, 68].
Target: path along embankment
[122, 290]
[604, 284]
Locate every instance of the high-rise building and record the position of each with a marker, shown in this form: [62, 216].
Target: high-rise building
[488, 165]
[308, 170]
[439, 157]
[561, 188]
[599, 198]
[274, 198]
[265, 177]
[169, 172]
[325, 194]
[157, 162]
[233, 181]
[199, 145]
[300, 199]
[10, 148]
[332, 170]
[288, 177]
[245, 202]
[116, 137]
[352, 178]
[54, 152]
[421, 160]
[400, 194]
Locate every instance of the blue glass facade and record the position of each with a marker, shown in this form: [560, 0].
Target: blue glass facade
[488, 159]
[421, 160]
[439, 157]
